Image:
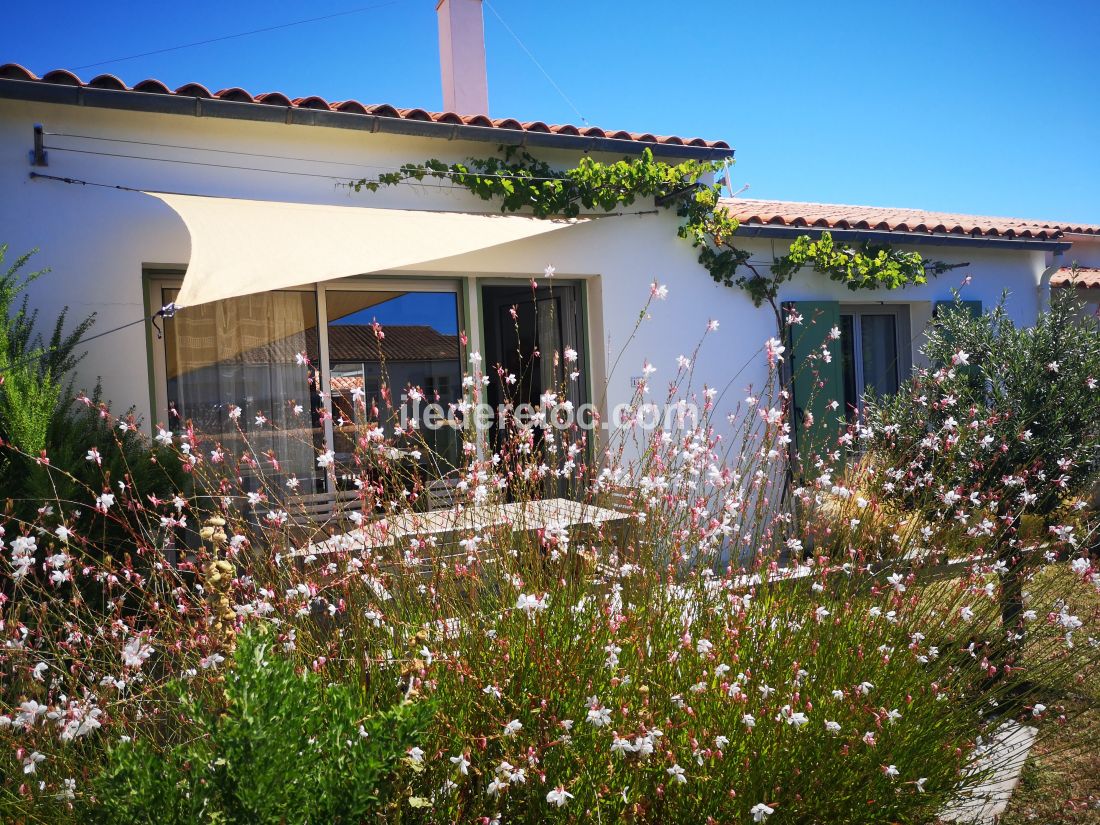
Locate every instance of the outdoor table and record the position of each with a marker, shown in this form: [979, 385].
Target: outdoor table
[458, 522]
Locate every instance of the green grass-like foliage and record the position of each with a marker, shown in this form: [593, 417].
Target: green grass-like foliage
[33, 369]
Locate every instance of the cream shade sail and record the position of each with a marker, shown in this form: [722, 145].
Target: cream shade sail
[240, 247]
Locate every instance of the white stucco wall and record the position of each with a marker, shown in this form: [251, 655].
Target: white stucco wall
[1085, 251]
[98, 241]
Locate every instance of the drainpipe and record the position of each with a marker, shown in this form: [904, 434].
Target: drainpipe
[1044, 281]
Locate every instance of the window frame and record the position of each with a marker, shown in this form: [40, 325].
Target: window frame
[161, 278]
[902, 313]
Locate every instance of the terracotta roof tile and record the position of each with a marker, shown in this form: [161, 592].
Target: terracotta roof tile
[150, 86]
[194, 90]
[403, 342]
[13, 71]
[842, 216]
[273, 99]
[108, 81]
[1086, 277]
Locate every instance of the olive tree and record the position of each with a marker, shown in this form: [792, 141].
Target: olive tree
[1004, 423]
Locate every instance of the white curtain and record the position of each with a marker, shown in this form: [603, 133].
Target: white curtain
[244, 353]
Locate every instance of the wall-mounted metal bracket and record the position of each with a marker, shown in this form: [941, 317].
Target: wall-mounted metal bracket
[38, 153]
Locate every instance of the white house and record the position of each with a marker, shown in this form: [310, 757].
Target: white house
[240, 183]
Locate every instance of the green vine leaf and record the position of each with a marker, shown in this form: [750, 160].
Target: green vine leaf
[520, 182]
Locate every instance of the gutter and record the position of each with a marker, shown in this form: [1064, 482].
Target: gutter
[39, 92]
[900, 238]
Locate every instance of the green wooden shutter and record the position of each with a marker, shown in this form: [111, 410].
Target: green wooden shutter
[974, 307]
[815, 383]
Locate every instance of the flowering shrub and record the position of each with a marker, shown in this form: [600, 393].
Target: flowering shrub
[284, 747]
[1003, 427]
[647, 655]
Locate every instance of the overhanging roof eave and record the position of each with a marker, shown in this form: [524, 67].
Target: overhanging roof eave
[903, 238]
[271, 113]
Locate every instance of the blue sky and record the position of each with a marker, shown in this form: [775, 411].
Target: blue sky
[982, 107]
[437, 309]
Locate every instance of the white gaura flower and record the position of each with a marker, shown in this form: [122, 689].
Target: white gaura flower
[513, 727]
[890, 770]
[68, 790]
[326, 459]
[677, 773]
[491, 690]
[621, 746]
[760, 812]
[416, 755]
[749, 720]
[135, 652]
[570, 355]
[703, 647]
[164, 437]
[720, 742]
[960, 358]
[30, 764]
[531, 604]
[832, 727]
[93, 455]
[774, 349]
[966, 613]
[920, 784]
[598, 717]
[463, 764]
[1038, 709]
[559, 796]
[211, 662]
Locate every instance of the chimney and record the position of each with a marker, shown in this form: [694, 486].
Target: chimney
[462, 57]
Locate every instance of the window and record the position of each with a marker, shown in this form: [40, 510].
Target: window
[876, 352]
[245, 354]
[419, 349]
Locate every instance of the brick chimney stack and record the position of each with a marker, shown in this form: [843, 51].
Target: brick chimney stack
[462, 57]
